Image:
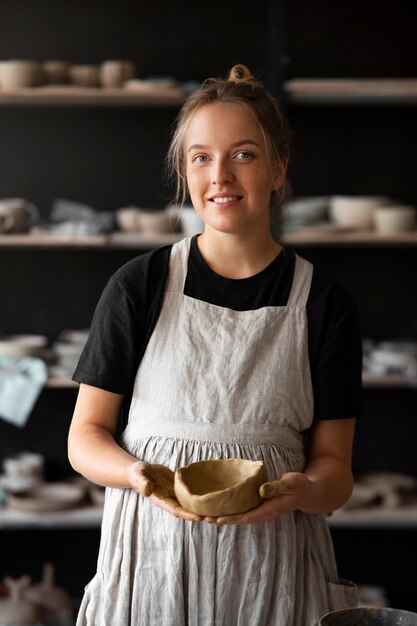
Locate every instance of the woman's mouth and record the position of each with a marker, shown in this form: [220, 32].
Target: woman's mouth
[224, 199]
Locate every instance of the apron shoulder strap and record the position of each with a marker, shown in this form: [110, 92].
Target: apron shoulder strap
[178, 265]
[301, 282]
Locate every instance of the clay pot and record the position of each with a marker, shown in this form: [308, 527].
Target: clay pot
[55, 601]
[220, 487]
[16, 610]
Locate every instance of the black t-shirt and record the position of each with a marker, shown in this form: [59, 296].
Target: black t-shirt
[129, 307]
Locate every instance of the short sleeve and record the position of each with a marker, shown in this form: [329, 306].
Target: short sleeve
[335, 348]
[109, 358]
[123, 322]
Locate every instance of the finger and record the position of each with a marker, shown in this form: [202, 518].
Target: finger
[143, 485]
[172, 506]
[273, 489]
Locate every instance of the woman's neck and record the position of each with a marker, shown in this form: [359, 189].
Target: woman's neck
[237, 257]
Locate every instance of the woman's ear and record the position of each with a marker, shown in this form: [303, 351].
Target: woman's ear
[279, 172]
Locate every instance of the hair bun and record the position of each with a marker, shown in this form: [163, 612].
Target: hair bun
[240, 73]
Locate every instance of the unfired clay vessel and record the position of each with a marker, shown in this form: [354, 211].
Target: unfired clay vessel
[220, 487]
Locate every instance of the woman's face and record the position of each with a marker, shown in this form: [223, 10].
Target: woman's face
[229, 173]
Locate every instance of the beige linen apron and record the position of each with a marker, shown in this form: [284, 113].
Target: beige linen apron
[217, 383]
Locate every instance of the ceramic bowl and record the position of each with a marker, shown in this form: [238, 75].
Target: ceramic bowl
[394, 219]
[191, 223]
[220, 487]
[19, 346]
[308, 210]
[355, 212]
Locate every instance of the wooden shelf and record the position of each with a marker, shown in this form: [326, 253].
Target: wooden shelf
[91, 516]
[360, 91]
[83, 517]
[405, 517]
[385, 381]
[92, 96]
[61, 383]
[114, 240]
[306, 237]
[377, 381]
[317, 237]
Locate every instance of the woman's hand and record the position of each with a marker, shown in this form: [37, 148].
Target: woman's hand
[156, 482]
[289, 492]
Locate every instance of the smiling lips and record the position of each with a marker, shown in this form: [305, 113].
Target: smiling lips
[224, 199]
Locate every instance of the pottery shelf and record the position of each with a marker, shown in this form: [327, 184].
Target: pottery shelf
[91, 516]
[91, 97]
[342, 91]
[302, 238]
[405, 517]
[83, 517]
[370, 381]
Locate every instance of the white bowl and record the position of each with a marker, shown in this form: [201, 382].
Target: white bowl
[191, 222]
[309, 209]
[355, 211]
[19, 346]
[394, 219]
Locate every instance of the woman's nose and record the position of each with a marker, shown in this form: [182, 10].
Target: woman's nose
[221, 173]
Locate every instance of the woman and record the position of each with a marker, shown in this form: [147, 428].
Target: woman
[235, 347]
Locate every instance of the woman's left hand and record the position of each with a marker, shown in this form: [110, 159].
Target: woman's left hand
[289, 492]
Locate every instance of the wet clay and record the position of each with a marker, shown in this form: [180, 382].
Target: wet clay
[220, 487]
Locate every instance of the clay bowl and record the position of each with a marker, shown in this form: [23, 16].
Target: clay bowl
[220, 487]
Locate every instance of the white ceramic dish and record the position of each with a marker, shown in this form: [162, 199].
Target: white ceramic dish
[394, 219]
[355, 211]
[47, 497]
[19, 346]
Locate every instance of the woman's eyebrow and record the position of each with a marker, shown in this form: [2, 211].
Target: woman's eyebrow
[242, 142]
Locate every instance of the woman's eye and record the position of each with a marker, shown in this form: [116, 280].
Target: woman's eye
[200, 158]
[244, 156]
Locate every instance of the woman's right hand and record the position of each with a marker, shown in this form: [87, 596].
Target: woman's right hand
[156, 482]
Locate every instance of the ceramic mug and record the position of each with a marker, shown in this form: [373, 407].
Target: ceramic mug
[23, 214]
[128, 218]
[56, 72]
[6, 221]
[114, 74]
[16, 74]
[84, 75]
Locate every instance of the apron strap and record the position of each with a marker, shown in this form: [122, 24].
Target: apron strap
[301, 282]
[178, 265]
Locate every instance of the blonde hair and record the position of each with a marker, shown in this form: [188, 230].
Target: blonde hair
[243, 88]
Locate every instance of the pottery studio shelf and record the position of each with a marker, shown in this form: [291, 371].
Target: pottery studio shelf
[405, 517]
[70, 96]
[370, 381]
[306, 237]
[342, 91]
[91, 516]
[82, 517]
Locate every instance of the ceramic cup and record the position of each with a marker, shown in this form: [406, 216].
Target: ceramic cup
[114, 74]
[191, 222]
[394, 219]
[16, 74]
[22, 212]
[127, 218]
[355, 211]
[6, 221]
[56, 72]
[84, 75]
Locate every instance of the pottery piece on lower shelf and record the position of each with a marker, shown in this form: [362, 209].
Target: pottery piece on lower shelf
[16, 610]
[220, 487]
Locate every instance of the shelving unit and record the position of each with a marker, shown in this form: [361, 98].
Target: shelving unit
[71, 96]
